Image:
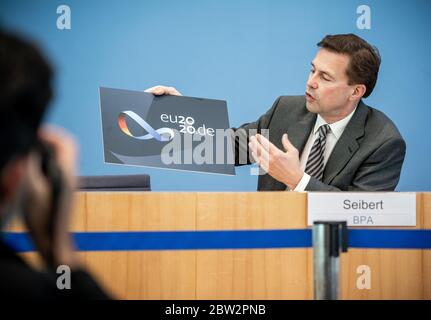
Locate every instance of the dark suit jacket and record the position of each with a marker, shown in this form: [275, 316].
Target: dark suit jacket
[18, 281]
[368, 156]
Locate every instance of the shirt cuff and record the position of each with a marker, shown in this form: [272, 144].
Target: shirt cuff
[302, 183]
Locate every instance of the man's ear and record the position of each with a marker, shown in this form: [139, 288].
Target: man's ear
[358, 92]
[11, 177]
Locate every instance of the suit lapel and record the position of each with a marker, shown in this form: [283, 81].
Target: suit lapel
[347, 145]
[300, 131]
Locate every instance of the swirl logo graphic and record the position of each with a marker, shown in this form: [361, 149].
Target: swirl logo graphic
[161, 134]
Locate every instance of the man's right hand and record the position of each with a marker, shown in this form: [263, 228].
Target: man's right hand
[161, 90]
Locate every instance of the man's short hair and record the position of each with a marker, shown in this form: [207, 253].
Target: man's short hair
[364, 58]
[25, 91]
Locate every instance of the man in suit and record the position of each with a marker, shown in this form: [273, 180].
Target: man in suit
[327, 140]
[37, 180]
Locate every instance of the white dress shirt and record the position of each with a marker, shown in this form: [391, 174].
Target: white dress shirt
[332, 137]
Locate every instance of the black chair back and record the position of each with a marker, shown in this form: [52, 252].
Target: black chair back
[139, 182]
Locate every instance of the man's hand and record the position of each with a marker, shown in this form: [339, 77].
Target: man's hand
[281, 165]
[50, 230]
[161, 90]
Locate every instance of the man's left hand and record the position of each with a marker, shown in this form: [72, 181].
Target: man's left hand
[283, 166]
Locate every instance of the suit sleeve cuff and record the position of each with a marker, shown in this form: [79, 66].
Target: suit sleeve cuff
[302, 183]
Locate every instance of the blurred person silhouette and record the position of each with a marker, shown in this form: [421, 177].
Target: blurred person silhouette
[37, 180]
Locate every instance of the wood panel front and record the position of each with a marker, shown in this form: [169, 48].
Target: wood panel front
[234, 274]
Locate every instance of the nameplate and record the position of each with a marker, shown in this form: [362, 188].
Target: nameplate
[368, 209]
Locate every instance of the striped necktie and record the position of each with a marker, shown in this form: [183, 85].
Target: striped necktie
[315, 164]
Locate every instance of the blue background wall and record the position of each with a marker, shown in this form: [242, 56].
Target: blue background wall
[245, 52]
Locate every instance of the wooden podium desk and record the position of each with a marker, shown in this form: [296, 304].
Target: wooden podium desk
[285, 273]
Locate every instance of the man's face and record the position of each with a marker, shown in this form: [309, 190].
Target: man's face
[327, 91]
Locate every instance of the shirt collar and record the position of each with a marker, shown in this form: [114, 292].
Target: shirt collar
[337, 128]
